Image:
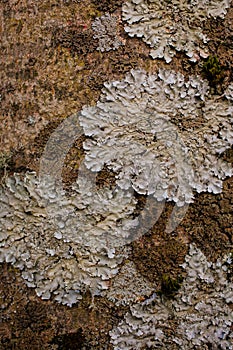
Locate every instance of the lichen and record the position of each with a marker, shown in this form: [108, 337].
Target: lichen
[172, 26]
[229, 92]
[160, 134]
[128, 286]
[201, 310]
[60, 243]
[5, 158]
[106, 31]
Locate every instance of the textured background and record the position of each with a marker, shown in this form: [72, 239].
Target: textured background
[50, 68]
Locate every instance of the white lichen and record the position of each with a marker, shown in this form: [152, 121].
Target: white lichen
[160, 134]
[60, 242]
[172, 26]
[106, 31]
[200, 314]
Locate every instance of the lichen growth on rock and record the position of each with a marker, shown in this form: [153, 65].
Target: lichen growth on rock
[5, 158]
[172, 26]
[61, 243]
[129, 286]
[200, 310]
[229, 92]
[106, 31]
[162, 135]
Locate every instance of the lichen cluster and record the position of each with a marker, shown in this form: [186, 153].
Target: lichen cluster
[129, 286]
[161, 135]
[60, 243]
[172, 26]
[106, 31]
[199, 315]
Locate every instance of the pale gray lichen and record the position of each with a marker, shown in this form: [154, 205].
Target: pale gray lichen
[161, 134]
[128, 286]
[106, 31]
[61, 243]
[202, 302]
[171, 26]
[142, 326]
[199, 315]
[229, 92]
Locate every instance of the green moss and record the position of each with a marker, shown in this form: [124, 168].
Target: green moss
[213, 71]
[169, 285]
[92, 12]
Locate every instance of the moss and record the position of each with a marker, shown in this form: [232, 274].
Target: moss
[94, 13]
[169, 285]
[213, 71]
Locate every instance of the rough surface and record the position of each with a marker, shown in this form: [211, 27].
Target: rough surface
[107, 32]
[61, 244]
[107, 5]
[129, 286]
[162, 135]
[27, 322]
[172, 26]
[50, 69]
[200, 314]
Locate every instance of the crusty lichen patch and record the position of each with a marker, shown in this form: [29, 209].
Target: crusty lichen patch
[107, 32]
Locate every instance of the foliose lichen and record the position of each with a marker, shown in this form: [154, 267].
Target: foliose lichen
[199, 315]
[60, 243]
[161, 134]
[172, 26]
